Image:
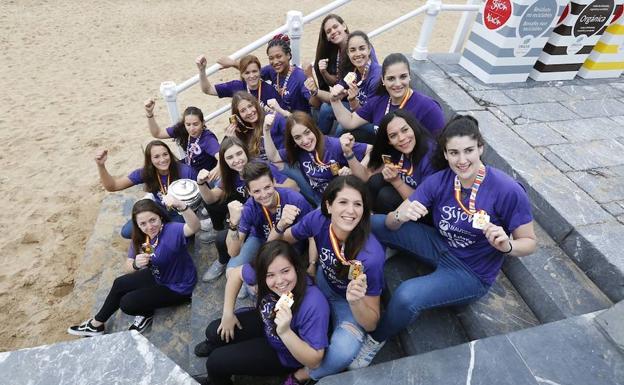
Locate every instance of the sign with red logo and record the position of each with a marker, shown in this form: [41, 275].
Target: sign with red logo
[496, 13]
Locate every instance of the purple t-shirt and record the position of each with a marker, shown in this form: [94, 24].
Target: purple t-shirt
[499, 195]
[184, 172]
[202, 152]
[278, 130]
[426, 110]
[319, 176]
[171, 264]
[413, 176]
[310, 322]
[369, 85]
[253, 221]
[296, 96]
[227, 90]
[372, 255]
[239, 183]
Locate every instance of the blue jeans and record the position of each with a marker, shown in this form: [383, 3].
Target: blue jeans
[294, 173]
[247, 252]
[326, 118]
[452, 283]
[126, 229]
[347, 336]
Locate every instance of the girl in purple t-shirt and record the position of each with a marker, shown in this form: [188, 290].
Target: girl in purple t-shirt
[332, 43]
[199, 143]
[248, 120]
[344, 244]
[268, 340]
[161, 274]
[160, 168]
[399, 161]
[394, 92]
[320, 157]
[474, 209]
[251, 82]
[233, 156]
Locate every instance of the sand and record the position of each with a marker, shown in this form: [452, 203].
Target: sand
[74, 78]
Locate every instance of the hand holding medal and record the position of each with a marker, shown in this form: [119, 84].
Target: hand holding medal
[283, 314]
[356, 289]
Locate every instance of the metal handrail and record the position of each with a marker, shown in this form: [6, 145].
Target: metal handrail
[294, 27]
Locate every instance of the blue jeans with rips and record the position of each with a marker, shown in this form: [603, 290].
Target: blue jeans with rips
[451, 283]
[347, 336]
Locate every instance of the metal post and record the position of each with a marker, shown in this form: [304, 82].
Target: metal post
[170, 95]
[294, 20]
[463, 28]
[433, 8]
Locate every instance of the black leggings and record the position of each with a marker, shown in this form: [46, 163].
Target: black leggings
[384, 196]
[221, 246]
[248, 354]
[138, 293]
[218, 210]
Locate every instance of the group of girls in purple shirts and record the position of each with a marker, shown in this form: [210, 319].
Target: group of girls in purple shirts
[318, 172]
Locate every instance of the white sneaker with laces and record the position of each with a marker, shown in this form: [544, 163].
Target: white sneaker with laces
[214, 271]
[368, 351]
[141, 323]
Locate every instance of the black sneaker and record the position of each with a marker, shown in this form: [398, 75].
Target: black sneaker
[86, 329]
[141, 323]
[203, 349]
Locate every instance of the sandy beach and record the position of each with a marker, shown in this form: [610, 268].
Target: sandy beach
[75, 76]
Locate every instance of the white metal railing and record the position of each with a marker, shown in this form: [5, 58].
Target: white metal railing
[294, 27]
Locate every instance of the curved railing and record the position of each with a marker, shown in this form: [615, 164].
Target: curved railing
[294, 27]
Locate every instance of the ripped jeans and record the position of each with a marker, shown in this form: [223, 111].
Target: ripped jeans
[347, 336]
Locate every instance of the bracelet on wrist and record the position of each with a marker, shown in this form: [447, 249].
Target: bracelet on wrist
[149, 116]
[350, 156]
[314, 93]
[134, 266]
[396, 216]
[510, 248]
[233, 227]
[278, 230]
[184, 209]
[202, 183]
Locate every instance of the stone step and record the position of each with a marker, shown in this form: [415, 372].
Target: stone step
[435, 328]
[551, 284]
[572, 351]
[502, 310]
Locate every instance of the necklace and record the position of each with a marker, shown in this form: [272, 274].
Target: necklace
[163, 189]
[278, 213]
[259, 90]
[192, 148]
[337, 246]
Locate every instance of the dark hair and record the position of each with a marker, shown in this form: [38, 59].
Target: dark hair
[459, 125]
[266, 255]
[179, 129]
[292, 149]
[282, 41]
[228, 175]
[245, 61]
[141, 206]
[356, 240]
[382, 143]
[250, 135]
[391, 59]
[346, 65]
[256, 170]
[327, 50]
[150, 174]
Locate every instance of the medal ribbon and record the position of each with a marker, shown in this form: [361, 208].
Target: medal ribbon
[163, 189]
[401, 169]
[473, 194]
[406, 97]
[281, 90]
[267, 214]
[337, 247]
[259, 90]
[317, 159]
[148, 244]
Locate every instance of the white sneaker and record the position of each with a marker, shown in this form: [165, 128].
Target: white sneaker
[214, 271]
[368, 351]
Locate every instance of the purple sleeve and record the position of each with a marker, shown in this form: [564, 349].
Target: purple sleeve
[366, 111]
[308, 226]
[170, 131]
[131, 252]
[426, 190]
[265, 73]
[213, 144]
[247, 217]
[433, 118]
[249, 274]
[359, 149]
[372, 81]
[313, 319]
[514, 207]
[279, 177]
[374, 267]
[226, 90]
[186, 171]
[278, 130]
[282, 154]
[136, 176]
